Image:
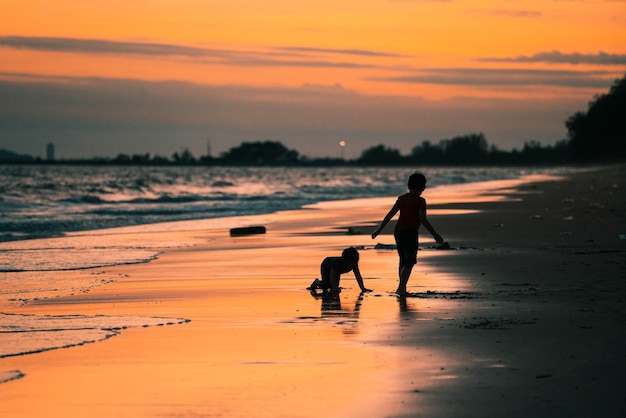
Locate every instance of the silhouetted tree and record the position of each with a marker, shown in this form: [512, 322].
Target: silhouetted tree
[532, 151]
[426, 153]
[6, 155]
[158, 159]
[260, 152]
[140, 159]
[122, 159]
[600, 133]
[187, 156]
[467, 149]
[380, 155]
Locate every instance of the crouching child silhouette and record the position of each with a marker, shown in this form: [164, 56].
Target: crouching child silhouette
[332, 268]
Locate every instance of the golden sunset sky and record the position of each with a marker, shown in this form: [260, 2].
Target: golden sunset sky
[136, 76]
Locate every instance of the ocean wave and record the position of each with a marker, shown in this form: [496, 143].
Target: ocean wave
[55, 259]
[44, 201]
[91, 199]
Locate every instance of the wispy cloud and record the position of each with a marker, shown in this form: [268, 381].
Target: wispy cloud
[353, 52]
[98, 46]
[557, 57]
[422, 1]
[504, 77]
[509, 13]
[292, 56]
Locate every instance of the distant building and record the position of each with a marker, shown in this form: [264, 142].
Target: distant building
[50, 151]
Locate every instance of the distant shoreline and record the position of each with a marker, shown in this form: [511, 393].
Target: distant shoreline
[333, 163]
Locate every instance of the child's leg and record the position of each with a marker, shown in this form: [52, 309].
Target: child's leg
[406, 242]
[325, 283]
[405, 273]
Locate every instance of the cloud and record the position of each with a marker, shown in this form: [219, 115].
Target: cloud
[556, 57]
[509, 13]
[504, 77]
[271, 56]
[98, 46]
[355, 52]
[422, 1]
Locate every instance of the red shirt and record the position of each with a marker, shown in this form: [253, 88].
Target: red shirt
[410, 205]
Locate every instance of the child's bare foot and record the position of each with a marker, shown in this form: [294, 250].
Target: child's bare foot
[401, 292]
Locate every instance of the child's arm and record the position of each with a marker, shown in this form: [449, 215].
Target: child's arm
[392, 212]
[430, 228]
[359, 279]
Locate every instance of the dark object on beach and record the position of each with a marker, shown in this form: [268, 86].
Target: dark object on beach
[385, 247]
[444, 246]
[247, 230]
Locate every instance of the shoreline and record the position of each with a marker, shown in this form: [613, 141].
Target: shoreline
[484, 334]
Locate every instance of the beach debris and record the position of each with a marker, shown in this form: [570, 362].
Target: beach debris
[444, 246]
[530, 286]
[568, 218]
[536, 217]
[385, 247]
[434, 294]
[594, 252]
[470, 248]
[247, 230]
[495, 324]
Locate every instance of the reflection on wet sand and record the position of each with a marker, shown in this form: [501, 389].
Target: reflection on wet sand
[331, 308]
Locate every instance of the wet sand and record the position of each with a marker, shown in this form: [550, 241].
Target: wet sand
[524, 316]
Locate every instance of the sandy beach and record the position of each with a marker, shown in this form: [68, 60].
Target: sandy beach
[523, 316]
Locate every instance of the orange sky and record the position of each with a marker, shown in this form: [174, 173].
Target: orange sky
[427, 50]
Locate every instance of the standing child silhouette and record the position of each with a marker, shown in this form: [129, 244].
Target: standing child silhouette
[412, 208]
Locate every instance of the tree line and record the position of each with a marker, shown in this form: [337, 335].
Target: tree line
[597, 135]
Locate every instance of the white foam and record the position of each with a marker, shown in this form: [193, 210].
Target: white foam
[28, 334]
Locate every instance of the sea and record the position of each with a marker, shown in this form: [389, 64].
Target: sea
[41, 202]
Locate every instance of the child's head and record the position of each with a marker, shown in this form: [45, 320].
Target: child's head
[351, 255]
[417, 181]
